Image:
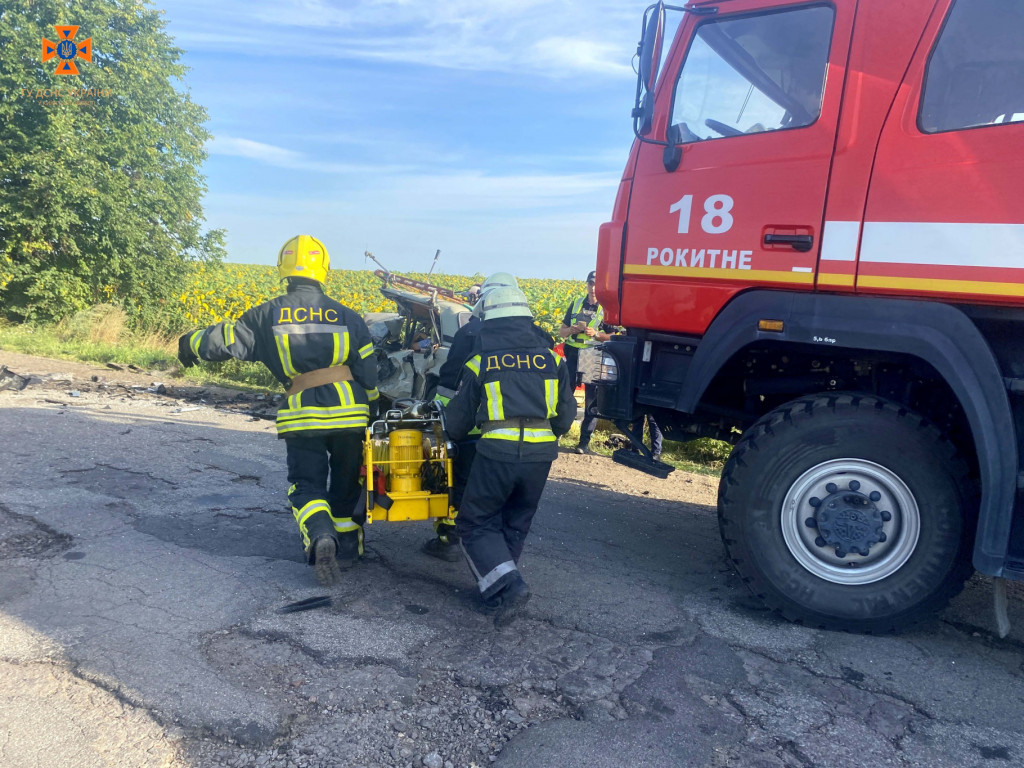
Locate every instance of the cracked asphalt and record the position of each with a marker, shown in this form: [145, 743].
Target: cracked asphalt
[145, 547]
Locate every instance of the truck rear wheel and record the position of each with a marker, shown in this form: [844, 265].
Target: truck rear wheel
[848, 512]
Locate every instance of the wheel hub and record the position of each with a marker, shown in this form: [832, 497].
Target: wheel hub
[847, 520]
[850, 521]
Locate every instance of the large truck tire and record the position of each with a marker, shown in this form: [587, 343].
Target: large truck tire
[848, 512]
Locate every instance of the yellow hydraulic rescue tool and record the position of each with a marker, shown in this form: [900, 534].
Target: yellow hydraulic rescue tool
[407, 459]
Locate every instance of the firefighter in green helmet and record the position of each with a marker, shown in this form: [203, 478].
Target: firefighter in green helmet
[516, 391]
[320, 351]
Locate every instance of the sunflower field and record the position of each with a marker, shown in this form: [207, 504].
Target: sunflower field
[217, 292]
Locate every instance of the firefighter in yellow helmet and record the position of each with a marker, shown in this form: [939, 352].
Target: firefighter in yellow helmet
[320, 351]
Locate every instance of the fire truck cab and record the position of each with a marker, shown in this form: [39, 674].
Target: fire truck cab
[817, 248]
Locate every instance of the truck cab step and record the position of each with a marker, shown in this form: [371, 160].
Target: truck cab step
[638, 461]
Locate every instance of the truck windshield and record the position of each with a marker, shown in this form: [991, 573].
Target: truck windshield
[754, 73]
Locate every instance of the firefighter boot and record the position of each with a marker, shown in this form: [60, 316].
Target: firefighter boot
[513, 600]
[444, 546]
[349, 534]
[325, 562]
[350, 548]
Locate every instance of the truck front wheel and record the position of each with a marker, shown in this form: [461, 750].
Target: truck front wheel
[848, 512]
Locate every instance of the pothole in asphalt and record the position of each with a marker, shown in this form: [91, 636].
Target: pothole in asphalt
[229, 533]
[24, 536]
[119, 483]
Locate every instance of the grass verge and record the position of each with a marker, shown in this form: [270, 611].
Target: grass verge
[703, 456]
[146, 351]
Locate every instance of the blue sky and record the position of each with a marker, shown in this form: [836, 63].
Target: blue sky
[495, 130]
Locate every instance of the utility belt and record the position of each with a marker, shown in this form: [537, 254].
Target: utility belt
[521, 423]
[527, 430]
[319, 377]
[572, 341]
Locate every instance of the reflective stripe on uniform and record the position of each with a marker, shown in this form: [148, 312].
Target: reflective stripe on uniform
[284, 352]
[495, 406]
[229, 333]
[345, 411]
[488, 581]
[309, 509]
[301, 329]
[311, 425]
[349, 414]
[194, 340]
[345, 395]
[551, 397]
[474, 365]
[366, 351]
[372, 394]
[341, 345]
[445, 392]
[528, 435]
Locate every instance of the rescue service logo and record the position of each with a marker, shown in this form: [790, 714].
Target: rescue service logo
[67, 50]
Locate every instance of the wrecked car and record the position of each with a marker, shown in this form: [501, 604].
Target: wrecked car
[412, 343]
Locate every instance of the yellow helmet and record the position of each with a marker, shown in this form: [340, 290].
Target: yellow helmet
[303, 256]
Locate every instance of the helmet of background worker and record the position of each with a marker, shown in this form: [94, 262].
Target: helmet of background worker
[303, 256]
[504, 302]
[497, 280]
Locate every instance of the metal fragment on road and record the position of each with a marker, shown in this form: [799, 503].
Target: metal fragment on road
[320, 601]
[11, 380]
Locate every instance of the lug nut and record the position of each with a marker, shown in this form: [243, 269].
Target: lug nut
[810, 522]
[840, 552]
[874, 496]
[831, 487]
[886, 515]
[854, 485]
[819, 542]
[882, 536]
[815, 501]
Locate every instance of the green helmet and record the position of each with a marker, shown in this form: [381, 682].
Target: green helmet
[504, 302]
[497, 280]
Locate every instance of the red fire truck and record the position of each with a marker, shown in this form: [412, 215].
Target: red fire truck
[817, 248]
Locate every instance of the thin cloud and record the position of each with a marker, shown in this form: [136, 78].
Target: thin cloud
[501, 35]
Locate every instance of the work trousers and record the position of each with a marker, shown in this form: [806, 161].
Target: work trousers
[589, 423]
[323, 471]
[494, 520]
[462, 464]
[656, 437]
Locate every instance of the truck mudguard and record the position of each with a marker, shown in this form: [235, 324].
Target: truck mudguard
[939, 334]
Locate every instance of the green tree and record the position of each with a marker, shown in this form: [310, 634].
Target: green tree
[101, 191]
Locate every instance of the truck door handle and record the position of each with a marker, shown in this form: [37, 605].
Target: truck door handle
[802, 243]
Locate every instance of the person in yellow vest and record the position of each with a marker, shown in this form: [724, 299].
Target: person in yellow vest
[320, 351]
[583, 326]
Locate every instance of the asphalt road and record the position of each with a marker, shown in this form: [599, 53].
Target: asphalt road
[145, 549]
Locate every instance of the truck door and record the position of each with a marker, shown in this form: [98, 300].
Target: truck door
[944, 216]
[751, 93]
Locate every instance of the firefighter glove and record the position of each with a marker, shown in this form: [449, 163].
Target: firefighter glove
[186, 356]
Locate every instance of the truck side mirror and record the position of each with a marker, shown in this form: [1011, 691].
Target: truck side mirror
[648, 53]
[673, 153]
